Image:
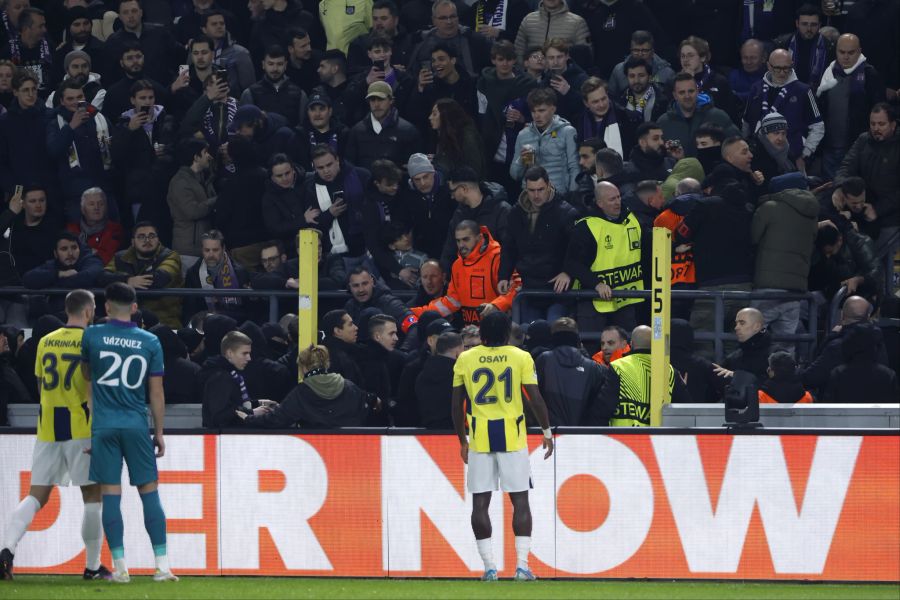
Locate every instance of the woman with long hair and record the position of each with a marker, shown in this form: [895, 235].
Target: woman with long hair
[458, 143]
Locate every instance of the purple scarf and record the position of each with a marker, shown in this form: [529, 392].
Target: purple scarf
[702, 78]
[817, 58]
[763, 20]
[224, 279]
[209, 129]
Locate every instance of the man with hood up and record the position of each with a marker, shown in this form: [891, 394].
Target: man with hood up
[180, 382]
[577, 390]
[861, 378]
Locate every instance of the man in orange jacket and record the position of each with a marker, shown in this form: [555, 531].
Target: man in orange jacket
[473, 277]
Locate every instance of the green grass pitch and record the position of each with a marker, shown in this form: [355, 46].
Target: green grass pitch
[222, 588]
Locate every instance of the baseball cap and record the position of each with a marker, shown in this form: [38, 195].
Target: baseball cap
[379, 89]
[437, 327]
[320, 98]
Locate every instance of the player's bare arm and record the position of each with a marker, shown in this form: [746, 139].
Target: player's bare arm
[458, 413]
[539, 407]
[158, 410]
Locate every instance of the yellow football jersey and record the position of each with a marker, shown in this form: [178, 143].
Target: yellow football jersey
[64, 412]
[493, 377]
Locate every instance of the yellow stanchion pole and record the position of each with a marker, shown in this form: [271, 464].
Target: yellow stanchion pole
[660, 322]
[308, 288]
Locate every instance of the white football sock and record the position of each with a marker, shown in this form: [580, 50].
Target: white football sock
[523, 546]
[21, 517]
[486, 550]
[162, 563]
[92, 534]
[119, 565]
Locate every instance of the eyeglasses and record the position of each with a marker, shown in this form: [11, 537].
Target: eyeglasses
[145, 237]
[271, 259]
[787, 69]
[447, 18]
[642, 50]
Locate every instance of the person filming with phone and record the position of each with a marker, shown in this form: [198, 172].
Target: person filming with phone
[78, 139]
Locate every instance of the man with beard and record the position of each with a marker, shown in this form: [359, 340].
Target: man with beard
[382, 133]
[79, 37]
[649, 157]
[874, 156]
[216, 270]
[320, 127]
[30, 49]
[78, 66]
[771, 153]
[232, 56]
[131, 60]
[845, 207]
[303, 60]
[641, 101]
[689, 112]
[275, 93]
[69, 268]
[386, 21]
[811, 51]
[153, 40]
[148, 265]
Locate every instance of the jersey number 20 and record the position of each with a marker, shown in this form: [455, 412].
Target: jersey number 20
[120, 371]
[482, 396]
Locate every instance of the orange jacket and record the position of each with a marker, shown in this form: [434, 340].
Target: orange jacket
[598, 358]
[764, 398]
[473, 282]
[682, 262]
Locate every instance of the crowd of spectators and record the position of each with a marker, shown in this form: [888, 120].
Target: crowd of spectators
[450, 155]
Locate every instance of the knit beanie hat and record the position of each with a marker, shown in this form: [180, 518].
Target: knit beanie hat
[73, 55]
[418, 164]
[788, 181]
[773, 122]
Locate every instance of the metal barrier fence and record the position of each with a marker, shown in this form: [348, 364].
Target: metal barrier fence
[718, 337]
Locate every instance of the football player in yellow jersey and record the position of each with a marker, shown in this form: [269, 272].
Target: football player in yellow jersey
[63, 438]
[490, 380]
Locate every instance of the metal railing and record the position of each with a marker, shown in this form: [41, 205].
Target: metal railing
[718, 337]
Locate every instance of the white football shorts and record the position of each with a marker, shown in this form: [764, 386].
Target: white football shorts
[61, 463]
[511, 469]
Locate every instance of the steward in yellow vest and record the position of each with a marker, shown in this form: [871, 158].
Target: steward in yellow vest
[631, 380]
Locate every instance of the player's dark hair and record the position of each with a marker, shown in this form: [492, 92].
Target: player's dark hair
[886, 109]
[596, 144]
[188, 150]
[277, 244]
[647, 186]
[808, 10]
[447, 341]
[120, 294]
[641, 37]
[27, 17]
[390, 5]
[537, 173]
[142, 224]
[385, 170]
[77, 301]
[541, 96]
[468, 225]
[359, 270]
[495, 329]
[209, 13]
[321, 150]
[276, 51]
[140, 85]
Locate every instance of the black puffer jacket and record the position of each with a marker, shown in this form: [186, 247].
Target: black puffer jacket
[576, 389]
[283, 208]
[702, 382]
[221, 394]
[860, 378]
[719, 228]
[535, 242]
[751, 356]
[397, 140]
[433, 386]
[815, 376]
